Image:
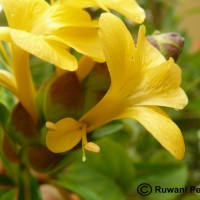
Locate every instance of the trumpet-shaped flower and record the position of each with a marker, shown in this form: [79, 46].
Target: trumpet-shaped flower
[128, 8]
[141, 80]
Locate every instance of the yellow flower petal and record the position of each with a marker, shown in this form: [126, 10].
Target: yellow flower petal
[129, 76]
[79, 3]
[129, 8]
[147, 56]
[22, 13]
[65, 16]
[43, 50]
[118, 47]
[26, 89]
[67, 134]
[161, 127]
[100, 4]
[84, 4]
[85, 65]
[161, 86]
[8, 80]
[83, 40]
[5, 34]
[108, 109]
[59, 16]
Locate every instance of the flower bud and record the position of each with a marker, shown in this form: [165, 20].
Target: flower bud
[170, 44]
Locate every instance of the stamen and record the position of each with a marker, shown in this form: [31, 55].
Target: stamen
[84, 142]
[51, 126]
[83, 151]
[83, 158]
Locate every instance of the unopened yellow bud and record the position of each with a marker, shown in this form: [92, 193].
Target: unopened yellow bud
[90, 146]
[51, 126]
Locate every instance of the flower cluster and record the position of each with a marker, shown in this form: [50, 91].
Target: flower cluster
[131, 79]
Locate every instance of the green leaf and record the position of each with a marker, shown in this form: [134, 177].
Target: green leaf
[108, 129]
[118, 130]
[106, 175]
[28, 187]
[190, 197]
[90, 184]
[7, 98]
[10, 195]
[112, 161]
[163, 171]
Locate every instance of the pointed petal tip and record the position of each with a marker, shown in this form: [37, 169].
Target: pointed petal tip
[105, 16]
[179, 153]
[70, 68]
[142, 30]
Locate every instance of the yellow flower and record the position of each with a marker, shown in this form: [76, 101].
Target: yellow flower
[141, 80]
[128, 8]
[35, 26]
[47, 32]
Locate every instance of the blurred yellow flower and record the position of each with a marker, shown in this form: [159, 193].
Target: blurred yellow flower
[141, 80]
[129, 8]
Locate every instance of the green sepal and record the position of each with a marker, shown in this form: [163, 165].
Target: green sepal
[63, 98]
[9, 149]
[41, 159]
[11, 168]
[21, 127]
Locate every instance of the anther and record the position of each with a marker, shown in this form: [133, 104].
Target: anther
[90, 146]
[83, 158]
[51, 126]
